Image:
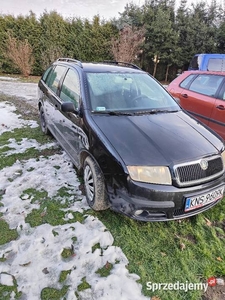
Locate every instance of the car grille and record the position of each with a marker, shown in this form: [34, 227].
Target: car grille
[193, 173]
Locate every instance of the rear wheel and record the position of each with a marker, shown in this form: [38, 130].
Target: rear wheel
[43, 122]
[94, 184]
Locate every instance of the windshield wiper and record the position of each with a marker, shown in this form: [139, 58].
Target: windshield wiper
[154, 111]
[114, 113]
[120, 113]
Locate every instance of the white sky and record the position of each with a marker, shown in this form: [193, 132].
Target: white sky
[67, 8]
[71, 8]
[34, 260]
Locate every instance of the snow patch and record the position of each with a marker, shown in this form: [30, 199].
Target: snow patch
[24, 144]
[34, 260]
[10, 120]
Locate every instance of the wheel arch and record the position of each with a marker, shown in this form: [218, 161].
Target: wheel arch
[83, 155]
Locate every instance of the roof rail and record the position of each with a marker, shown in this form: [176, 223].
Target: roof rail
[113, 62]
[67, 59]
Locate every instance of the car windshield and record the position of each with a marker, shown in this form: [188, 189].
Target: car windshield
[133, 92]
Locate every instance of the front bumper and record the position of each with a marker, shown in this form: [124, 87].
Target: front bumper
[151, 202]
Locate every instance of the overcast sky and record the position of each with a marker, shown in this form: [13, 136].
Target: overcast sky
[73, 8]
[67, 8]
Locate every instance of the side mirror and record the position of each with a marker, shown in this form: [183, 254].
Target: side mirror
[69, 107]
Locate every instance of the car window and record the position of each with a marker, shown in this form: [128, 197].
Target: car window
[127, 91]
[185, 83]
[70, 90]
[54, 77]
[206, 84]
[194, 63]
[216, 64]
[222, 92]
[45, 75]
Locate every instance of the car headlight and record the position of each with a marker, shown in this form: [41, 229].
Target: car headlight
[223, 158]
[154, 174]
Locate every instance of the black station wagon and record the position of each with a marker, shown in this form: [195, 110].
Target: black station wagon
[140, 153]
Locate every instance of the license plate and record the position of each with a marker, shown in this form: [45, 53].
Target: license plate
[204, 199]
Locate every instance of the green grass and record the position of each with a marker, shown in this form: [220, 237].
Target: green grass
[6, 234]
[5, 292]
[189, 250]
[50, 209]
[83, 286]
[105, 270]
[63, 275]
[18, 134]
[53, 294]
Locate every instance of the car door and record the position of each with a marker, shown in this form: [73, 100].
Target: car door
[200, 97]
[70, 124]
[217, 121]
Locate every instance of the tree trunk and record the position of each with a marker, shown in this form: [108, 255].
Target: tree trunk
[167, 72]
[155, 68]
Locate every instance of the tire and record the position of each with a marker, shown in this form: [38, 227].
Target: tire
[94, 185]
[43, 123]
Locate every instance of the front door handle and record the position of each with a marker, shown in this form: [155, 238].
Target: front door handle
[221, 107]
[184, 95]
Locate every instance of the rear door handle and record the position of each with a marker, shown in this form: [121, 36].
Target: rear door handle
[184, 95]
[221, 107]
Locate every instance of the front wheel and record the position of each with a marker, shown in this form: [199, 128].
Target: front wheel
[94, 184]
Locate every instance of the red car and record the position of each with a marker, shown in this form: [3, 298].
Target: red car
[203, 95]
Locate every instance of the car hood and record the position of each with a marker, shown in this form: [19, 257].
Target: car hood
[159, 139]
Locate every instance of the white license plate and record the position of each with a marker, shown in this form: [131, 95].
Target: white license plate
[204, 199]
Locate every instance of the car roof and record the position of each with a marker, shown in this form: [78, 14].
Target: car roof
[106, 66]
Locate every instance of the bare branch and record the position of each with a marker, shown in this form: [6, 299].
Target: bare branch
[20, 53]
[127, 47]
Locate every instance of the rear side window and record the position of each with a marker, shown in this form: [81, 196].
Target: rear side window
[216, 64]
[54, 78]
[206, 84]
[194, 63]
[70, 91]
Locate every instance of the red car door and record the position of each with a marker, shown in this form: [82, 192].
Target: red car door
[217, 121]
[199, 105]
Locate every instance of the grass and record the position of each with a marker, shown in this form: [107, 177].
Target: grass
[50, 209]
[18, 134]
[190, 250]
[7, 234]
[105, 271]
[53, 294]
[5, 292]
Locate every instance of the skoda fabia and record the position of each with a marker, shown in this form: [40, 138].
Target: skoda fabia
[139, 152]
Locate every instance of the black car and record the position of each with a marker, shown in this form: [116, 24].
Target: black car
[140, 153]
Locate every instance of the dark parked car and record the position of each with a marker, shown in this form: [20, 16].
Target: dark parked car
[203, 95]
[140, 153]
